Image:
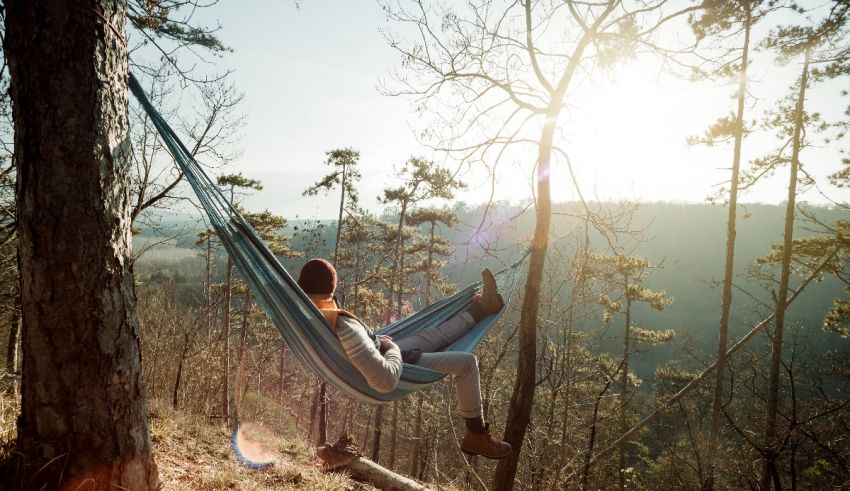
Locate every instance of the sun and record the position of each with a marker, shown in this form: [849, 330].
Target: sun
[626, 139]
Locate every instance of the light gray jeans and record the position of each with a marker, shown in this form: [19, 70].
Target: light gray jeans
[463, 365]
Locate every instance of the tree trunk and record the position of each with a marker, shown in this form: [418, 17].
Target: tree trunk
[417, 437]
[225, 332]
[770, 444]
[624, 385]
[591, 441]
[14, 332]
[281, 370]
[314, 407]
[393, 435]
[367, 427]
[208, 284]
[323, 413]
[84, 414]
[726, 302]
[416, 444]
[323, 389]
[357, 277]
[519, 410]
[398, 266]
[566, 413]
[577, 286]
[339, 220]
[180, 363]
[428, 270]
[350, 417]
[240, 386]
[344, 455]
[376, 447]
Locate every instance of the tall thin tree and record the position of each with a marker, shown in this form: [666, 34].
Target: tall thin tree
[497, 75]
[346, 175]
[717, 20]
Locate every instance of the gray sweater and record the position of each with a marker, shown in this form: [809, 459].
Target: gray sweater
[381, 371]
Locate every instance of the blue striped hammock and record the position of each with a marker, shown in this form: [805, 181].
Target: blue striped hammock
[302, 326]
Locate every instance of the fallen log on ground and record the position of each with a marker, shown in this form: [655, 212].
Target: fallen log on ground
[344, 455]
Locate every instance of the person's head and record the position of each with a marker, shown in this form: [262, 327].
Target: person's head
[318, 277]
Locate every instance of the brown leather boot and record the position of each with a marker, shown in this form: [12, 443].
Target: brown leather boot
[488, 301]
[482, 306]
[490, 287]
[485, 445]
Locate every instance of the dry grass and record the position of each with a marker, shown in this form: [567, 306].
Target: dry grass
[193, 454]
[10, 406]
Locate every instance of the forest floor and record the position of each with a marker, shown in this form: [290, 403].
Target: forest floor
[193, 453]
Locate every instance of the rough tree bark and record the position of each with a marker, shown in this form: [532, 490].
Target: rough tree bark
[519, 411]
[84, 416]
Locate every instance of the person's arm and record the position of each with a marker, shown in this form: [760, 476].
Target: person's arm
[381, 371]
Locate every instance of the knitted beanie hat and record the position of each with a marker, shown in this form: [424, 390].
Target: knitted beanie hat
[317, 276]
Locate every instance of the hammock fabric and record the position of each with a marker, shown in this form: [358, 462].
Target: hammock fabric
[300, 323]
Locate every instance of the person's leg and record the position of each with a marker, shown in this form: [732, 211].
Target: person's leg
[464, 366]
[438, 337]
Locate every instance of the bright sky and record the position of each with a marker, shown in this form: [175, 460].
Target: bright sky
[309, 75]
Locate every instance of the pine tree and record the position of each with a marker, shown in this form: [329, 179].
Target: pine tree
[84, 414]
[625, 275]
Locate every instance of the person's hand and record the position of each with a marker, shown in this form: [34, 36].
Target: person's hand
[386, 342]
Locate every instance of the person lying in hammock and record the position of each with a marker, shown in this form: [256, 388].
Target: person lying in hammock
[379, 359]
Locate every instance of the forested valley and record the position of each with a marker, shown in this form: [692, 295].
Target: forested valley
[181, 276]
[648, 343]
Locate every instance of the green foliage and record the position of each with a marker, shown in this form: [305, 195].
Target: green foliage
[625, 273]
[650, 336]
[838, 317]
[234, 181]
[433, 216]
[670, 376]
[172, 20]
[423, 179]
[721, 131]
[434, 249]
[621, 46]
[716, 16]
[827, 254]
[781, 121]
[269, 227]
[656, 300]
[343, 161]
[823, 474]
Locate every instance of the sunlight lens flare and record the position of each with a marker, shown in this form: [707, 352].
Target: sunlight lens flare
[249, 448]
[479, 237]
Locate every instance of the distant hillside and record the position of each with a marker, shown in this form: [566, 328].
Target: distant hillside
[691, 240]
[688, 238]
